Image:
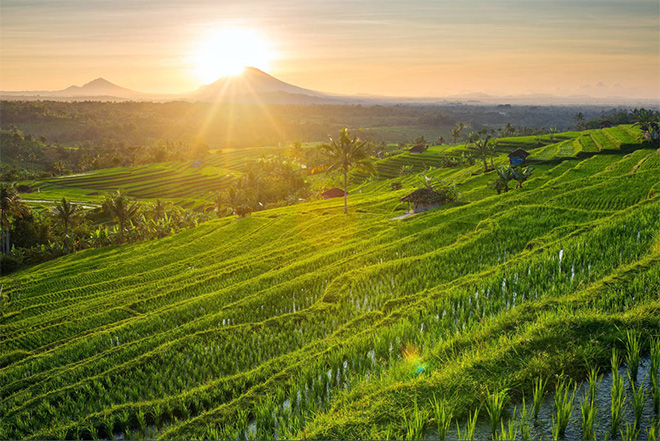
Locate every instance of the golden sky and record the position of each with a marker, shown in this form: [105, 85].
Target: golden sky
[397, 48]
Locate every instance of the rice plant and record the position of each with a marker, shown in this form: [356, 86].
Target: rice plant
[524, 422]
[594, 383]
[618, 401]
[588, 411]
[655, 368]
[563, 407]
[633, 350]
[470, 426]
[631, 433]
[538, 393]
[638, 396]
[414, 423]
[509, 431]
[615, 362]
[653, 430]
[443, 415]
[495, 403]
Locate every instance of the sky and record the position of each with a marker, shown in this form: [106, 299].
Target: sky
[410, 48]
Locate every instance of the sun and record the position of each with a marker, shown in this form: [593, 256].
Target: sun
[227, 51]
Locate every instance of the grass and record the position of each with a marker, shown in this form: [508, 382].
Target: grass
[304, 322]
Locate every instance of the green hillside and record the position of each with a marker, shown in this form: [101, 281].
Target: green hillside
[170, 180]
[303, 322]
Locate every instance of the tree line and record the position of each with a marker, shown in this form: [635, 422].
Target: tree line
[30, 236]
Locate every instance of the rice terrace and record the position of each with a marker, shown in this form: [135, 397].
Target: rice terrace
[399, 260]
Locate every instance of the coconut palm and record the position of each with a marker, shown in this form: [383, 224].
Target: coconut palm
[347, 152]
[579, 121]
[647, 120]
[159, 209]
[297, 152]
[66, 214]
[482, 145]
[507, 130]
[456, 133]
[123, 210]
[10, 205]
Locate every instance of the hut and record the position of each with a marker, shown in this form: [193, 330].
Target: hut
[518, 157]
[419, 148]
[424, 199]
[24, 189]
[333, 193]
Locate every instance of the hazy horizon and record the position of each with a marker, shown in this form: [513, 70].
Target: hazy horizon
[413, 49]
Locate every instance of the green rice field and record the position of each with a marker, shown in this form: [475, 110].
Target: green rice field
[301, 322]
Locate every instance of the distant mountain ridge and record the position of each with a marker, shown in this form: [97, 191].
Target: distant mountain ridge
[254, 86]
[99, 86]
[251, 86]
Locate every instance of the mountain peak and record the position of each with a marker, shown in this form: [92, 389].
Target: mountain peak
[100, 82]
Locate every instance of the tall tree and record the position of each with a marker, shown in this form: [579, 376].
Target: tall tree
[481, 143]
[10, 206]
[507, 130]
[66, 214]
[346, 152]
[123, 211]
[456, 133]
[648, 120]
[579, 121]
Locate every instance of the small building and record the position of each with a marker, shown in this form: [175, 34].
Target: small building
[518, 157]
[24, 189]
[424, 199]
[419, 148]
[333, 193]
[196, 164]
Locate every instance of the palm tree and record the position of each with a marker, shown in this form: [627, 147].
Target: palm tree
[66, 213]
[507, 130]
[297, 152]
[647, 120]
[482, 145]
[159, 209]
[456, 133]
[347, 152]
[579, 121]
[123, 210]
[10, 205]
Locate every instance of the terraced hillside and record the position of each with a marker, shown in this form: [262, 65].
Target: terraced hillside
[171, 180]
[304, 322]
